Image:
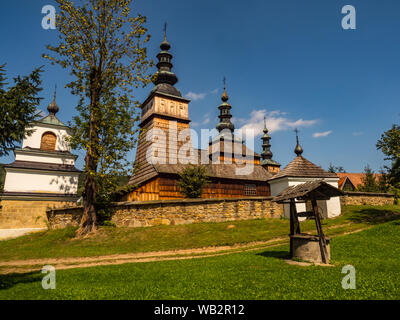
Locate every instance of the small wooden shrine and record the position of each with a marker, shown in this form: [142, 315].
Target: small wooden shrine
[306, 246]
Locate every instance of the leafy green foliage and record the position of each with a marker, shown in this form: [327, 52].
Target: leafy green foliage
[334, 169]
[103, 46]
[390, 146]
[383, 181]
[369, 183]
[390, 143]
[192, 180]
[396, 192]
[18, 108]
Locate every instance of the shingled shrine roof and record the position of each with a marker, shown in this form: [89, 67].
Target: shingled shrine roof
[318, 188]
[301, 167]
[19, 164]
[222, 171]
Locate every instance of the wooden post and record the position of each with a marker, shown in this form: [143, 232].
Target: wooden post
[296, 221]
[321, 236]
[292, 224]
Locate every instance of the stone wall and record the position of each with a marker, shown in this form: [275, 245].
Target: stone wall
[27, 213]
[32, 214]
[172, 212]
[366, 198]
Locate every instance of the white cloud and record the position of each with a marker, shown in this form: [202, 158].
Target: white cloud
[215, 91]
[276, 121]
[322, 134]
[195, 96]
[358, 133]
[199, 96]
[206, 120]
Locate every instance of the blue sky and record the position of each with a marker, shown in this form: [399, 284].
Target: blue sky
[289, 60]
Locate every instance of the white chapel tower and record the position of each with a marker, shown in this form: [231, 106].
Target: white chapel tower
[43, 174]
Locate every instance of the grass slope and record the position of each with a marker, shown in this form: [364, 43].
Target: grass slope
[109, 240]
[251, 275]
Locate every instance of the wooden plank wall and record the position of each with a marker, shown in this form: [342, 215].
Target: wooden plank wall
[147, 192]
[164, 188]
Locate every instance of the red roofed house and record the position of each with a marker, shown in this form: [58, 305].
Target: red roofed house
[350, 181]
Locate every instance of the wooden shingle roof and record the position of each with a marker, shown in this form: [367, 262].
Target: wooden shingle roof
[222, 171]
[301, 167]
[318, 189]
[19, 164]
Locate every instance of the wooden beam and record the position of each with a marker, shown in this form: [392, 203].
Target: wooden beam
[321, 236]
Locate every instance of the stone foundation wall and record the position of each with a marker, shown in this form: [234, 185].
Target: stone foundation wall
[27, 213]
[172, 212]
[366, 198]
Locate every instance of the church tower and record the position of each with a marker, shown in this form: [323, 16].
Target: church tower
[266, 154]
[226, 147]
[42, 176]
[164, 118]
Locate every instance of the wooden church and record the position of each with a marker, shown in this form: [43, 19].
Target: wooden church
[165, 120]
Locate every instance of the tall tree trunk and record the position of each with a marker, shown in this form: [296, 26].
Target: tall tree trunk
[88, 221]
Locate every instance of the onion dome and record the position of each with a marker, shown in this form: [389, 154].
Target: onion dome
[266, 154]
[53, 107]
[225, 115]
[165, 79]
[298, 150]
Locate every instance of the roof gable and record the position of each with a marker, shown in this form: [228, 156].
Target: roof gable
[301, 167]
[52, 120]
[356, 178]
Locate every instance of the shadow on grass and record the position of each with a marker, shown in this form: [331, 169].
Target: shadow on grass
[10, 280]
[282, 255]
[373, 216]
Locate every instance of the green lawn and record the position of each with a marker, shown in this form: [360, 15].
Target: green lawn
[109, 240]
[263, 274]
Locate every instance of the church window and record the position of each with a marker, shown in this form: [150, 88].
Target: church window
[48, 141]
[250, 190]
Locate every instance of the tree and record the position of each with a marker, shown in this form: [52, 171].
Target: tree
[334, 169]
[369, 183]
[192, 180]
[390, 143]
[102, 45]
[383, 181]
[390, 146]
[18, 108]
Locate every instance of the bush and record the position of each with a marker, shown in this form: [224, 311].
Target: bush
[192, 180]
[396, 193]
